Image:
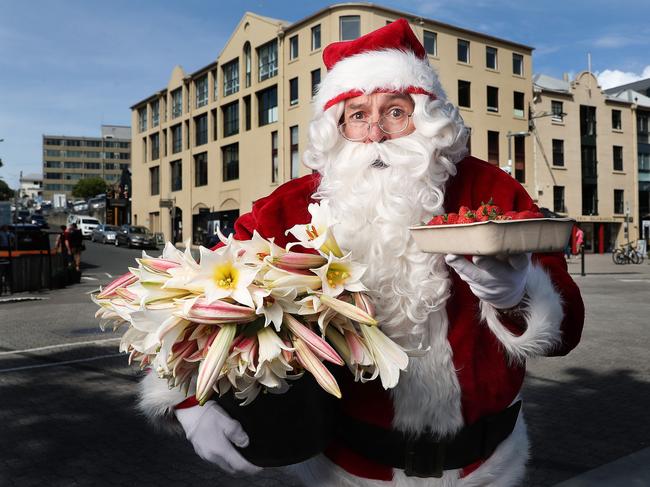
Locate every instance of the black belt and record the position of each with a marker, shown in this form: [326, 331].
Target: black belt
[426, 455]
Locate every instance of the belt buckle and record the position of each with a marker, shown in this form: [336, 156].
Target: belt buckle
[424, 469]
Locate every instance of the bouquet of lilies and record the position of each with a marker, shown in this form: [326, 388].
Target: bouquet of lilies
[251, 315]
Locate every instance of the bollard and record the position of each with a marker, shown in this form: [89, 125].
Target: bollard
[582, 260]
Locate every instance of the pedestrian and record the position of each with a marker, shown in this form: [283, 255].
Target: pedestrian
[388, 151]
[75, 245]
[580, 240]
[61, 244]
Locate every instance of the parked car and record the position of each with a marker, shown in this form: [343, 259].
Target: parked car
[104, 234]
[29, 237]
[134, 236]
[87, 225]
[22, 216]
[39, 220]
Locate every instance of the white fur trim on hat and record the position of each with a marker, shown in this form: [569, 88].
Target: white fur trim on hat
[389, 69]
[543, 314]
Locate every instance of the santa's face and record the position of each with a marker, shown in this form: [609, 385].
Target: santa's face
[377, 117]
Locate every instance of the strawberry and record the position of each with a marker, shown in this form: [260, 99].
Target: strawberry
[482, 218]
[452, 218]
[527, 215]
[483, 209]
[463, 211]
[437, 220]
[466, 217]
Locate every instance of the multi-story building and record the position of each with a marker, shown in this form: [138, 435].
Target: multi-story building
[68, 159]
[584, 157]
[638, 95]
[213, 141]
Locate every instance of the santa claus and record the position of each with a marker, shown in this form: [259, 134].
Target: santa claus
[388, 151]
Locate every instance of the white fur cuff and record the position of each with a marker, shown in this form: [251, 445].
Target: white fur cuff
[542, 312]
[157, 401]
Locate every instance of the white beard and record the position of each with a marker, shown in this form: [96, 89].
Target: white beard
[375, 203]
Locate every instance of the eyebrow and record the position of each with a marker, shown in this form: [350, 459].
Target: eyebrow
[389, 99]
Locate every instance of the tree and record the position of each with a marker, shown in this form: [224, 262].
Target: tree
[6, 193]
[87, 188]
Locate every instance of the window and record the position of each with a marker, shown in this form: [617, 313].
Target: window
[293, 47]
[293, 91]
[177, 139]
[616, 120]
[53, 164]
[155, 113]
[315, 81]
[154, 180]
[52, 153]
[231, 77]
[92, 165]
[230, 156]
[493, 147]
[77, 143]
[558, 199]
[491, 57]
[215, 86]
[52, 141]
[520, 159]
[177, 102]
[142, 119]
[247, 112]
[201, 169]
[431, 42]
[315, 37]
[619, 205]
[201, 129]
[155, 146]
[274, 157]
[53, 175]
[79, 165]
[464, 95]
[248, 63]
[213, 121]
[267, 102]
[267, 56]
[517, 64]
[349, 27]
[644, 162]
[165, 144]
[558, 152]
[230, 119]
[201, 87]
[518, 104]
[463, 51]
[587, 121]
[295, 157]
[618, 157]
[176, 175]
[492, 99]
[557, 109]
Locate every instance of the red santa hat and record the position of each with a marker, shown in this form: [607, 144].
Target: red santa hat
[389, 59]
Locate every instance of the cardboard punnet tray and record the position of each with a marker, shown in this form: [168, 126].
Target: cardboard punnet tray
[495, 237]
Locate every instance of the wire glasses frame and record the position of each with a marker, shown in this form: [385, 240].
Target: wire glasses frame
[362, 128]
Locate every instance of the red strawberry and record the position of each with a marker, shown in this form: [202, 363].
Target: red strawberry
[482, 218]
[467, 217]
[463, 211]
[483, 209]
[437, 220]
[452, 218]
[527, 215]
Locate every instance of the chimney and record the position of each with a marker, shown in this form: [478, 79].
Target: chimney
[565, 77]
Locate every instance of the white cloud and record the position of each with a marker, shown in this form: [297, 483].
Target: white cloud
[617, 41]
[614, 77]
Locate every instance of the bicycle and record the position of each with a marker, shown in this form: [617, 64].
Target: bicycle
[626, 254]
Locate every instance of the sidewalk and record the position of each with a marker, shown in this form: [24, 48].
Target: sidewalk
[602, 264]
[630, 471]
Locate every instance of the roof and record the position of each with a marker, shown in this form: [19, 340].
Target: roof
[631, 96]
[116, 131]
[639, 86]
[31, 177]
[547, 83]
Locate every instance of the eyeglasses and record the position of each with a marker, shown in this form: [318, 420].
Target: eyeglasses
[393, 122]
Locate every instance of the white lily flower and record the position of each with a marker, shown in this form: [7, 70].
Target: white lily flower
[339, 274]
[221, 275]
[258, 249]
[389, 357]
[318, 233]
[272, 304]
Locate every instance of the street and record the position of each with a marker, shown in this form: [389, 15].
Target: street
[68, 411]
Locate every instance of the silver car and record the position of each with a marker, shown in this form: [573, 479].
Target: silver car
[104, 234]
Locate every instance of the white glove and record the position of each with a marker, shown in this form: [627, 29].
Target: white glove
[498, 282]
[212, 433]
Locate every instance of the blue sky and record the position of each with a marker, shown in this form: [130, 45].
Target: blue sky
[68, 66]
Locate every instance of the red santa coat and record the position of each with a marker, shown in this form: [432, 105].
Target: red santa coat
[488, 380]
[488, 351]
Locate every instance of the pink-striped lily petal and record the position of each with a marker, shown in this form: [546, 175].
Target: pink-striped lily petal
[210, 368]
[157, 265]
[339, 343]
[320, 347]
[347, 309]
[218, 312]
[363, 301]
[299, 260]
[312, 363]
[121, 282]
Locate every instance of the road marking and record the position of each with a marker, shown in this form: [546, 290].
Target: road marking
[66, 362]
[89, 278]
[108, 275]
[634, 280]
[60, 345]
